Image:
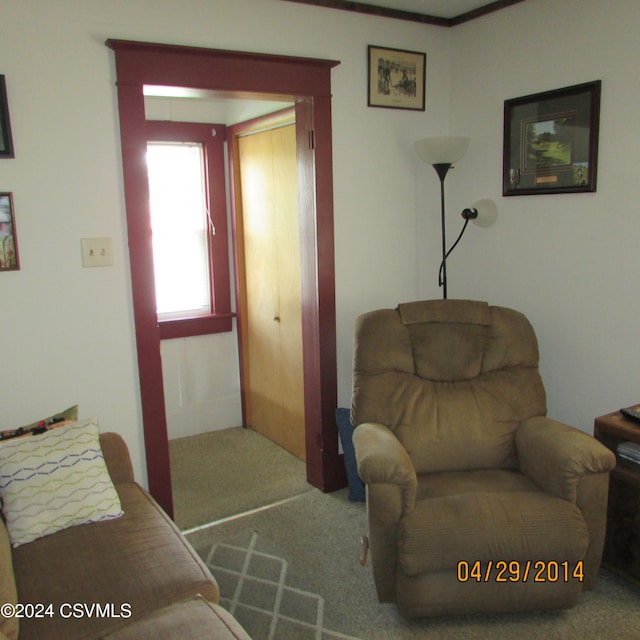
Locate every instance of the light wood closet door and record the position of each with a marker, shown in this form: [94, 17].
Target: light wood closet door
[272, 314]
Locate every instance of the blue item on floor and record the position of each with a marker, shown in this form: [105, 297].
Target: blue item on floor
[345, 430]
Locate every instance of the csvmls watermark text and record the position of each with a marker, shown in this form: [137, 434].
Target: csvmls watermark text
[66, 610]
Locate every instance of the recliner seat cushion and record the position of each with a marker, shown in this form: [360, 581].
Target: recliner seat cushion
[514, 526]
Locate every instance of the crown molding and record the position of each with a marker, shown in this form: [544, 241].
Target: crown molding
[386, 12]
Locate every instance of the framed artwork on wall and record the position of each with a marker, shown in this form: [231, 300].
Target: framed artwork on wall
[6, 142]
[396, 78]
[551, 141]
[8, 239]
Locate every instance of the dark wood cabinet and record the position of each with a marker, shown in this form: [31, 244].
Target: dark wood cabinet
[622, 544]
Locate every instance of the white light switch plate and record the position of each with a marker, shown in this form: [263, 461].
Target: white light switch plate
[96, 252]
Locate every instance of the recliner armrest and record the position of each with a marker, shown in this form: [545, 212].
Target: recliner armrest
[381, 458]
[556, 456]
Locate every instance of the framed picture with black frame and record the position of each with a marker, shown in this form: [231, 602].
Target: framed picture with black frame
[396, 78]
[551, 141]
[6, 141]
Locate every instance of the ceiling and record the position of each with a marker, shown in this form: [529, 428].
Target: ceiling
[439, 8]
[446, 13]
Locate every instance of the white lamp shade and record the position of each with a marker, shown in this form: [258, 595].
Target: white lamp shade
[487, 212]
[442, 150]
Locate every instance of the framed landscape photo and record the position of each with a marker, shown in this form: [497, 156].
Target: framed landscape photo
[6, 142]
[396, 78]
[551, 141]
[8, 240]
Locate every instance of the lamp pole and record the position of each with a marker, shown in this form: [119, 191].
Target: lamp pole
[441, 152]
[441, 169]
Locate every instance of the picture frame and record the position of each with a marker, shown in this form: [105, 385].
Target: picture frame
[6, 140]
[551, 141]
[9, 260]
[396, 78]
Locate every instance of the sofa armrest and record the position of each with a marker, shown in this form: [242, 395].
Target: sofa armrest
[117, 458]
[556, 456]
[381, 459]
[9, 626]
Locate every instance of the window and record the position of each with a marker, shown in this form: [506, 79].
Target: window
[179, 217]
[188, 219]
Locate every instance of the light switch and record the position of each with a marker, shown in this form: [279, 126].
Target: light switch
[96, 252]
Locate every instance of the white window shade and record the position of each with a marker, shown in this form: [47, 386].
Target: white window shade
[179, 221]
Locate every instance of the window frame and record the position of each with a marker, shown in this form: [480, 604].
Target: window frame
[212, 137]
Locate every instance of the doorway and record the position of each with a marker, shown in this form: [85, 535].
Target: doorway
[307, 83]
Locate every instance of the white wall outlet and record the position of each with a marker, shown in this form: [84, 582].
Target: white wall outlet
[96, 252]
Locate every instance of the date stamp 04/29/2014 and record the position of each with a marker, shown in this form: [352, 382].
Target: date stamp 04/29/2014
[518, 571]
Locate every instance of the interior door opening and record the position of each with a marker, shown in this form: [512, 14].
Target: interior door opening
[237, 74]
[262, 156]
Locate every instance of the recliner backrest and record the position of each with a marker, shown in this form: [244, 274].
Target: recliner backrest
[452, 379]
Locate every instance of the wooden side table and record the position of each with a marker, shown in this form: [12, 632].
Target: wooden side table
[622, 544]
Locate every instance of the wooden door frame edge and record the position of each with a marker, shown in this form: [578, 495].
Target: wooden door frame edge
[308, 81]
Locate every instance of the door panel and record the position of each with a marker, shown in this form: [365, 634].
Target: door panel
[273, 353]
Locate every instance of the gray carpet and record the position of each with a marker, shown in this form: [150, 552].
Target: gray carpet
[257, 587]
[318, 536]
[222, 473]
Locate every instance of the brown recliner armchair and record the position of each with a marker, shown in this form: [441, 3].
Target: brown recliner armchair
[476, 501]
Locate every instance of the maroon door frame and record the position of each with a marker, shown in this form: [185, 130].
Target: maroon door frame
[237, 74]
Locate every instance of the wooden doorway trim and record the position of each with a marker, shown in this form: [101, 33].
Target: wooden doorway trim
[307, 82]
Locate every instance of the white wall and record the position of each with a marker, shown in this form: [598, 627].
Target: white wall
[201, 384]
[570, 262]
[68, 331]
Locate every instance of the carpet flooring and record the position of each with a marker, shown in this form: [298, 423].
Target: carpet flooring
[256, 587]
[218, 474]
[316, 537]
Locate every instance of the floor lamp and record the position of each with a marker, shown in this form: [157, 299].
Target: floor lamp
[441, 153]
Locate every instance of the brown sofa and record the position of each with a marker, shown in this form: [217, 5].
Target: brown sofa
[133, 577]
[477, 502]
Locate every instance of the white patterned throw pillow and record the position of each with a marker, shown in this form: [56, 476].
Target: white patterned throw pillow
[55, 480]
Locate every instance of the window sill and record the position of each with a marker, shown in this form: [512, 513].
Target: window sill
[196, 326]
